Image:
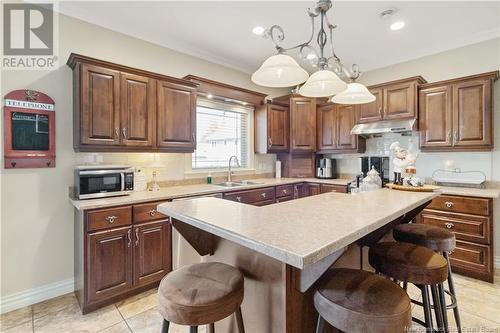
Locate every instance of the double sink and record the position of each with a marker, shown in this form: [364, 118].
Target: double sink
[238, 183]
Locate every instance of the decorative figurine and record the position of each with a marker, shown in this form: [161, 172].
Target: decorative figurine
[402, 159]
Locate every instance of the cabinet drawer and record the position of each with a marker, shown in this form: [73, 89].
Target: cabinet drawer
[473, 260]
[263, 203]
[251, 196]
[284, 190]
[333, 188]
[467, 205]
[109, 218]
[147, 212]
[283, 199]
[466, 227]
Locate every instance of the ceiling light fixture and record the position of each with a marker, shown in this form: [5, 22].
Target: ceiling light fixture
[283, 71]
[258, 30]
[398, 25]
[390, 15]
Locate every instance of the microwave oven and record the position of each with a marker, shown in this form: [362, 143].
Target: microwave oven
[101, 181]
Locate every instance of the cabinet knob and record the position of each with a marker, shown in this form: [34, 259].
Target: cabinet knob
[285, 191]
[263, 195]
[238, 199]
[449, 225]
[111, 219]
[449, 204]
[152, 212]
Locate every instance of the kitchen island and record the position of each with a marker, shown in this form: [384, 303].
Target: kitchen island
[283, 249]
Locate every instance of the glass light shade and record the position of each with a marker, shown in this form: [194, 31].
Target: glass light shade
[279, 71]
[323, 83]
[356, 93]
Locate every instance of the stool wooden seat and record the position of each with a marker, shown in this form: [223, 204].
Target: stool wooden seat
[439, 240]
[201, 294]
[418, 265]
[434, 238]
[409, 262]
[359, 301]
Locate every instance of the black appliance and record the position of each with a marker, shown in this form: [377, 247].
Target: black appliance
[103, 181]
[381, 164]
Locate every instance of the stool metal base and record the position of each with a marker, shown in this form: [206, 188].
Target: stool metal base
[211, 327]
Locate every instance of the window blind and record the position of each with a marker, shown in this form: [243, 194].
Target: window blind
[222, 130]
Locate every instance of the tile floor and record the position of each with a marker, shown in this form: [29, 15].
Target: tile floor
[479, 306]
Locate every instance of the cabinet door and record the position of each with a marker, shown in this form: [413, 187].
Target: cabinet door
[278, 123]
[303, 124]
[100, 106]
[372, 111]
[400, 101]
[326, 127]
[435, 117]
[137, 110]
[109, 263]
[346, 119]
[472, 114]
[176, 120]
[152, 254]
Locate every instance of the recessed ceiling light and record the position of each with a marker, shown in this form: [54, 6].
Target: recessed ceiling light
[397, 25]
[258, 30]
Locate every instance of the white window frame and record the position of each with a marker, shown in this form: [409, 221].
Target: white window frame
[220, 105]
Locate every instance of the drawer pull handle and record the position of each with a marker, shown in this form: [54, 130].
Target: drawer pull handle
[263, 195]
[111, 219]
[285, 191]
[449, 225]
[448, 204]
[152, 212]
[136, 237]
[238, 199]
[129, 237]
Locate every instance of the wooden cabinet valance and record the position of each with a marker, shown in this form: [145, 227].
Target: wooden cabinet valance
[119, 108]
[457, 115]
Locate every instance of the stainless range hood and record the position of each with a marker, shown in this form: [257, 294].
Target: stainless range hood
[386, 126]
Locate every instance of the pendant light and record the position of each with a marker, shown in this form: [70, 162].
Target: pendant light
[280, 70]
[356, 93]
[322, 83]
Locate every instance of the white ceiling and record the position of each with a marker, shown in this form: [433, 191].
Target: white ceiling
[221, 31]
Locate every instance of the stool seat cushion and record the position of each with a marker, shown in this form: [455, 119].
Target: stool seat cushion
[359, 301]
[408, 262]
[435, 238]
[200, 294]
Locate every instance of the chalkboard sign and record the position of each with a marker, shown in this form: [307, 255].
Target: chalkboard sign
[29, 135]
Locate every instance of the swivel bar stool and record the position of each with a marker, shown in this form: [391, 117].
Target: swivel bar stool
[441, 241]
[201, 294]
[414, 264]
[357, 301]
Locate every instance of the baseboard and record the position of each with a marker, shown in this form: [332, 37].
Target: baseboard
[35, 295]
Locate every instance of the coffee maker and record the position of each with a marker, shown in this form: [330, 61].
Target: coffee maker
[325, 167]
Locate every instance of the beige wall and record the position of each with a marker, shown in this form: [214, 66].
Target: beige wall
[36, 216]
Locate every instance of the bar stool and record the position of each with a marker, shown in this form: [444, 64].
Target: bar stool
[201, 294]
[415, 264]
[439, 240]
[357, 301]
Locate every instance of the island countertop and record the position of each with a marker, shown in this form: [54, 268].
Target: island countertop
[298, 232]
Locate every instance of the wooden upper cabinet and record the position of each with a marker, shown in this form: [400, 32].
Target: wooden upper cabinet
[109, 263]
[400, 101]
[303, 124]
[335, 122]
[326, 127]
[116, 108]
[176, 116]
[394, 100]
[435, 116]
[137, 110]
[457, 114]
[472, 117]
[100, 106]
[278, 122]
[152, 254]
[372, 111]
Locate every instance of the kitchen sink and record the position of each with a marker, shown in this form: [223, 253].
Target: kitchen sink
[248, 182]
[229, 184]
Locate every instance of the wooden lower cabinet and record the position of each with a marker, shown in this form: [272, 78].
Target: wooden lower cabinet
[471, 220]
[120, 261]
[325, 188]
[109, 263]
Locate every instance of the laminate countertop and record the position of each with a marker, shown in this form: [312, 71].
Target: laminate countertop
[471, 192]
[299, 232]
[182, 191]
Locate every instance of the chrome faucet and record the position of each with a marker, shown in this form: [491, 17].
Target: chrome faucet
[229, 169]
